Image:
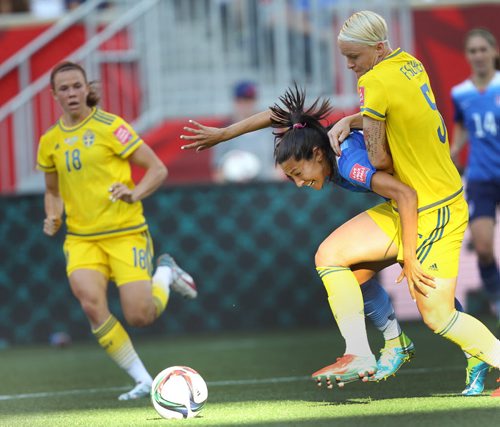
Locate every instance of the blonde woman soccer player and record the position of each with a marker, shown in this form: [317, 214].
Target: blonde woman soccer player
[404, 132]
[86, 158]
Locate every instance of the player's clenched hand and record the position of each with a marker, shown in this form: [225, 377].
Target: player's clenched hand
[338, 133]
[51, 225]
[119, 191]
[203, 136]
[418, 280]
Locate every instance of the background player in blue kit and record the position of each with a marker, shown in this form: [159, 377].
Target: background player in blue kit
[476, 103]
[477, 119]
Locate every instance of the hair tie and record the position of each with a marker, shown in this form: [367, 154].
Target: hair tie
[299, 125]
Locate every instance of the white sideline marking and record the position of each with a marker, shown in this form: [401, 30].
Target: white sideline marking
[416, 371]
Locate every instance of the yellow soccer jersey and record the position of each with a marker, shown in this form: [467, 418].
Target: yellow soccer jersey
[88, 158]
[398, 91]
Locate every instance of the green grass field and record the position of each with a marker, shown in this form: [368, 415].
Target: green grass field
[254, 379]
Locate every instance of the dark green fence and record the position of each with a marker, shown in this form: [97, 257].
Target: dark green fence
[250, 248]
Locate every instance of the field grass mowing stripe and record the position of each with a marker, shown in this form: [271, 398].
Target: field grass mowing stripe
[276, 380]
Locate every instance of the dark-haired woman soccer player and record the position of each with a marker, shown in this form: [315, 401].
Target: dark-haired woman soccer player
[303, 152]
[477, 119]
[86, 158]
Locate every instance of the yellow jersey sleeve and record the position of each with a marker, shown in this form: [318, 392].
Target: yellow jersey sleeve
[45, 160]
[372, 97]
[123, 140]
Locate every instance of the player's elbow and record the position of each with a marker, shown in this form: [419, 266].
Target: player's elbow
[162, 172]
[407, 196]
[159, 171]
[382, 163]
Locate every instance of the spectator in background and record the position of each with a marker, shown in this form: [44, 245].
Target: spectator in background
[249, 157]
[14, 6]
[476, 102]
[73, 4]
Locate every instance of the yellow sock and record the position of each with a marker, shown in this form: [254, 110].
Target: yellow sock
[346, 303]
[401, 341]
[472, 336]
[160, 298]
[473, 361]
[114, 339]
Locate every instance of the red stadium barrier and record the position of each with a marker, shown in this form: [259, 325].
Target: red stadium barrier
[439, 34]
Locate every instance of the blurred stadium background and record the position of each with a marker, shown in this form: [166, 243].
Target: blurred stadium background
[159, 63]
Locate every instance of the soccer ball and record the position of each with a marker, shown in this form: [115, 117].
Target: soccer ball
[179, 392]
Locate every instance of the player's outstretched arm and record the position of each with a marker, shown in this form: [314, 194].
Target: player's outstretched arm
[204, 137]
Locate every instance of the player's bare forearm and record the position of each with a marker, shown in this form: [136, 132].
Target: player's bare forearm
[459, 140]
[376, 144]
[250, 124]
[204, 137]
[418, 280]
[150, 182]
[53, 205]
[355, 121]
[407, 202]
[154, 177]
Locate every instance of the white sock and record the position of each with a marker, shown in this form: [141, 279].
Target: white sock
[391, 330]
[139, 373]
[165, 276]
[351, 330]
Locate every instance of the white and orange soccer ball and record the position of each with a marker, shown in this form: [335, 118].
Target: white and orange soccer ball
[179, 392]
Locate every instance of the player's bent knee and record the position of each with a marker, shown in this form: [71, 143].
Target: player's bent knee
[94, 312]
[435, 320]
[325, 257]
[139, 319]
[432, 324]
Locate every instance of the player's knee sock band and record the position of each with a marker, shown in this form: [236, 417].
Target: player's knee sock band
[114, 339]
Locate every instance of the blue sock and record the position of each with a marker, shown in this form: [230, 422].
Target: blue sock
[490, 278]
[459, 306]
[379, 309]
